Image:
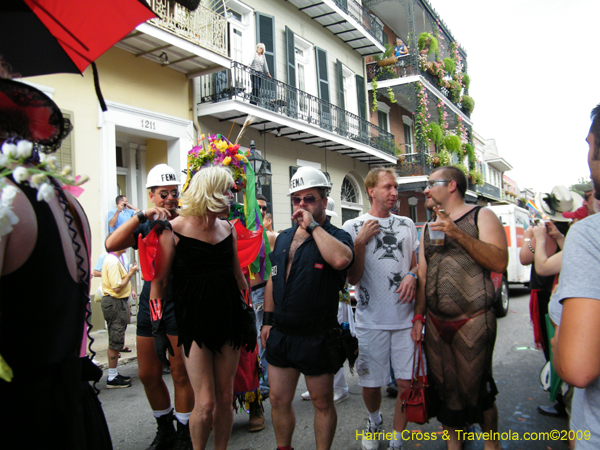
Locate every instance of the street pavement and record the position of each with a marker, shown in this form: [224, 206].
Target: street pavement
[516, 371]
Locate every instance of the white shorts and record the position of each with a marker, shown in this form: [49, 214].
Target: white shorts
[375, 350]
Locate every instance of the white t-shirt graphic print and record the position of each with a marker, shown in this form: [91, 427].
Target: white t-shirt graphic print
[388, 257]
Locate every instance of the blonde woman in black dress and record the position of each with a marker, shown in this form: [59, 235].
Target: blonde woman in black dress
[207, 280]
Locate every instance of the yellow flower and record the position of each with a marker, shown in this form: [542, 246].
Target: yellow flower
[227, 161]
[238, 156]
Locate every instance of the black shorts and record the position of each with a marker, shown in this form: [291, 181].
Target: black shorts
[307, 354]
[144, 324]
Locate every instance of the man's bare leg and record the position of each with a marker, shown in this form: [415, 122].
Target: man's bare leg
[372, 398]
[321, 393]
[150, 372]
[184, 394]
[453, 443]
[490, 425]
[400, 420]
[283, 382]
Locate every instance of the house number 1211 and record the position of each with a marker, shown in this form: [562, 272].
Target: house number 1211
[148, 124]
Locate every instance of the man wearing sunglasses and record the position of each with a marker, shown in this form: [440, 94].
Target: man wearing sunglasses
[153, 344]
[309, 264]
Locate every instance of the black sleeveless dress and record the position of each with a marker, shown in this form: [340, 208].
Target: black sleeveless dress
[48, 404]
[208, 302]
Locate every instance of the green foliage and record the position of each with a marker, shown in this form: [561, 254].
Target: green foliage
[449, 66]
[476, 177]
[391, 94]
[453, 143]
[462, 168]
[470, 151]
[466, 79]
[468, 104]
[444, 157]
[435, 133]
[427, 42]
[374, 93]
[389, 51]
[454, 90]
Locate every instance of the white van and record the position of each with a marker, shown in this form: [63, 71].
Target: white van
[515, 221]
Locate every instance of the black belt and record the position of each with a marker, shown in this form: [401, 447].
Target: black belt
[256, 287]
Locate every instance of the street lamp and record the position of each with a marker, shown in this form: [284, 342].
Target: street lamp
[261, 167]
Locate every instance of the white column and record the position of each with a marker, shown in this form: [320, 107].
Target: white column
[132, 186]
[142, 175]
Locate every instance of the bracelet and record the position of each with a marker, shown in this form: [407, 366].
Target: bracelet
[413, 274]
[530, 247]
[141, 216]
[268, 318]
[418, 317]
[527, 240]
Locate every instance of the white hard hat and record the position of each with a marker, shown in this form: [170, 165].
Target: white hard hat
[330, 208]
[162, 175]
[307, 177]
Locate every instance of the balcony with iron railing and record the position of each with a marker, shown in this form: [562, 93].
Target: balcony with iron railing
[488, 190]
[202, 27]
[413, 164]
[361, 15]
[244, 84]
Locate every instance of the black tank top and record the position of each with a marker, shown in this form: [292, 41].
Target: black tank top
[42, 309]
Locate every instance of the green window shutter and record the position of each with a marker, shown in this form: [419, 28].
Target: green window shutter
[265, 33]
[291, 57]
[362, 98]
[322, 77]
[340, 81]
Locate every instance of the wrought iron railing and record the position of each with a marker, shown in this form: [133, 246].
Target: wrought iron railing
[410, 164]
[243, 83]
[489, 190]
[202, 27]
[362, 16]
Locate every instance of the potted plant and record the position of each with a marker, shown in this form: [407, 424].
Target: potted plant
[435, 133]
[442, 158]
[427, 44]
[468, 104]
[475, 177]
[449, 66]
[452, 143]
[386, 58]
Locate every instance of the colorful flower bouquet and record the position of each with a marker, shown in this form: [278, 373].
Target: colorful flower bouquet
[216, 150]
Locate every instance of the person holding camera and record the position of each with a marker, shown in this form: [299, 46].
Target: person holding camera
[120, 214]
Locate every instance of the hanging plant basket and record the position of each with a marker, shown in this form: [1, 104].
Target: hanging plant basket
[387, 61]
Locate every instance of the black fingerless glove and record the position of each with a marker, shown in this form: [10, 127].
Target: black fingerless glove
[162, 344]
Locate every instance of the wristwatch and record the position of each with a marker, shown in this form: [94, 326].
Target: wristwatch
[141, 216]
[311, 227]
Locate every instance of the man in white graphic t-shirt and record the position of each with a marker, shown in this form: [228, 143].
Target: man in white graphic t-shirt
[384, 272]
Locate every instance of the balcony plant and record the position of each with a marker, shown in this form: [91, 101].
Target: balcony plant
[453, 144]
[435, 133]
[476, 177]
[462, 168]
[449, 66]
[386, 58]
[441, 158]
[468, 104]
[466, 81]
[470, 152]
[427, 44]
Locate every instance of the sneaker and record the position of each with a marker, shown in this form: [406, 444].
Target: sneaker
[372, 444]
[306, 396]
[126, 378]
[183, 441]
[118, 382]
[165, 434]
[340, 396]
[392, 390]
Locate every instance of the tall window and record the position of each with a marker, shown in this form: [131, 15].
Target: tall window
[351, 199]
[408, 139]
[383, 120]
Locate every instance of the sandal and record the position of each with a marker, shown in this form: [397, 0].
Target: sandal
[126, 350]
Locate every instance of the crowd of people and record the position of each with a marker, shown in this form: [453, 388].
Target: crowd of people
[194, 307]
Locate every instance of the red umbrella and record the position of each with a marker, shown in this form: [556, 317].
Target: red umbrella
[39, 37]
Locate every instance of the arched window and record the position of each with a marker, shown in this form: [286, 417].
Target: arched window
[351, 198]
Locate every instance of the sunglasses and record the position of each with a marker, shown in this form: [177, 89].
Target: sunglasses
[164, 194]
[309, 200]
[432, 183]
[263, 208]
[587, 197]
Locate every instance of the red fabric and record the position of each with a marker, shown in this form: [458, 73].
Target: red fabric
[447, 329]
[85, 29]
[534, 314]
[248, 243]
[147, 249]
[246, 377]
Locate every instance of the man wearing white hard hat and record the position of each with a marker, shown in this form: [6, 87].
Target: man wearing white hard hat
[309, 264]
[340, 387]
[157, 334]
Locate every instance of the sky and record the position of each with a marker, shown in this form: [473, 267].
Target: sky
[535, 77]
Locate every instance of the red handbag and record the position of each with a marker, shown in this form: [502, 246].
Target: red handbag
[415, 399]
